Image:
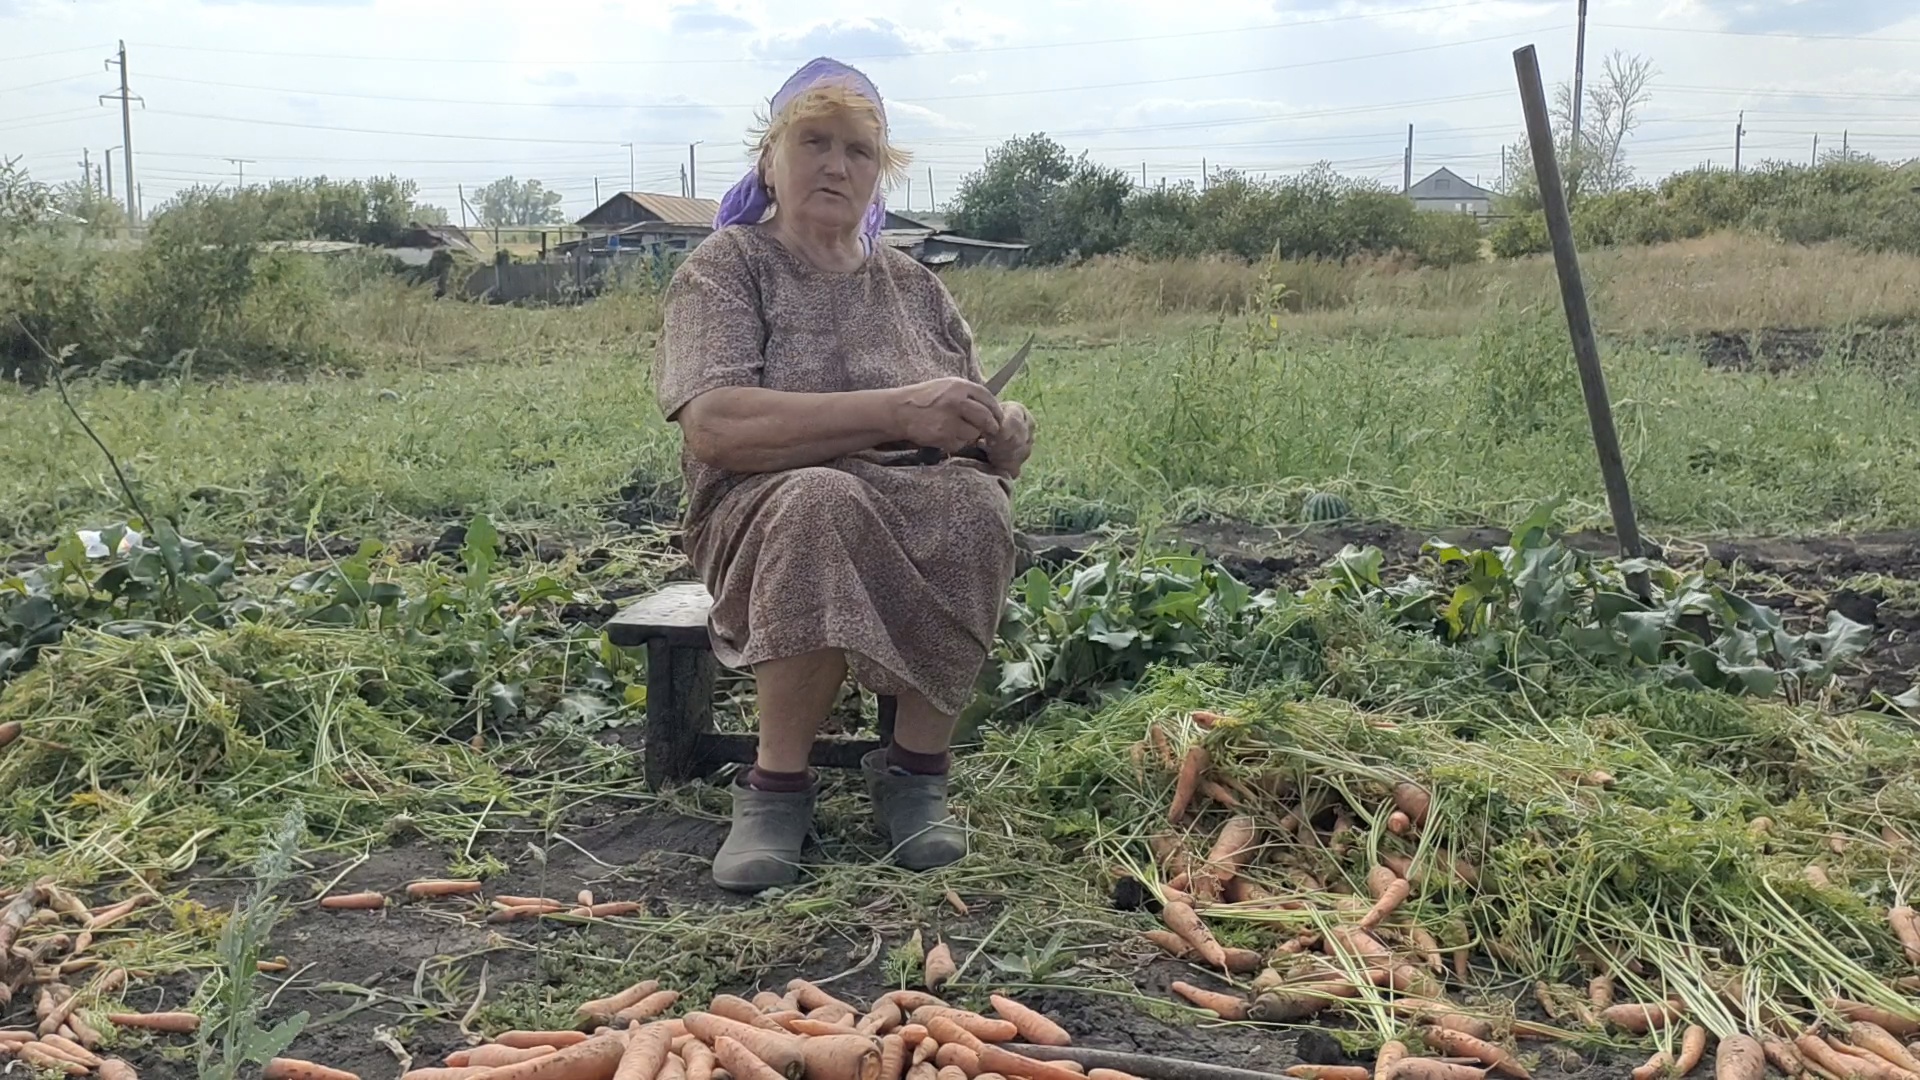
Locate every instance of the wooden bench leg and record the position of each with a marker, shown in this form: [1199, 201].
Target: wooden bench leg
[679, 712]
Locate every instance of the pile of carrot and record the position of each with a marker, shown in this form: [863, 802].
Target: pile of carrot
[1368, 940]
[503, 908]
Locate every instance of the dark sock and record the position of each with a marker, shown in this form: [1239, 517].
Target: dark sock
[899, 757]
[788, 783]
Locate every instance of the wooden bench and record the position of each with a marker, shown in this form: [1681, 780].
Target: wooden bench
[680, 741]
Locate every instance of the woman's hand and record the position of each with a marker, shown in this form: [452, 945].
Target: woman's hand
[949, 414]
[1010, 447]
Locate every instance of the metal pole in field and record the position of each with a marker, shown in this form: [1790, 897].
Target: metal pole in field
[1408, 163]
[1815, 160]
[126, 98]
[1573, 296]
[693, 172]
[1739, 134]
[630, 182]
[107, 171]
[1579, 78]
[461, 191]
[932, 198]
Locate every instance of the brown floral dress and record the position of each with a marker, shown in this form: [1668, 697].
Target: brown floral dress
[903, 567]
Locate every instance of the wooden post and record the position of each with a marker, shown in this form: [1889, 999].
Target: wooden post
[1573, 296]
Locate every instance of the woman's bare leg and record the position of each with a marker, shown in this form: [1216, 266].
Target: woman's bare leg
[795, 694]
[921, 735]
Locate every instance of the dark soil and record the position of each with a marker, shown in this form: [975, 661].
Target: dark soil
[1888, 350]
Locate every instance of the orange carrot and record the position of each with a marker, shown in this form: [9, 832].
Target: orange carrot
[1783, 1056]
[1878, 1040]
[1854, 1011]
[812, 997]
[1092, 1074]
[647, 1007]
[1169, 942]
[612, 909]
[1693, 1047]
[740, 1062]
[471, 1072]
[802, 1025]
[1412, 800]
[9, 731]
[115, 1069]
[1817, 1054]
[985, 1028]
[493, 1054]
[1869, 1066]
[38, 1056]
[296, 1069]
[945, 1030]
[883, 1017]
[521, 912]
[360, 901]
[1462, 1023]
[68, 1048]
[1399, 824]
[1008, 1063]
[1459, 1044]
[1421, 1068]
[909, 1000]
[781, 1051]
[923, 1070]
[925, 1051]
[835, 1013]
[1906, 927]
[951, 1072]
[767, 1001]
[1740, 1057]
[1219, 793]
[1183, 920]
[1231, 849]
[1162, 749]
[427, 890]
[840, 1057]
[559, 1040]
[893, 1057]
[602, 1009]
[1029, 1023]
[700, 1061]
[734, 1008]
[1226, 1006]
[913, 1034]
[954, 1055]
[174, 1023]
[646, 1051]
[1390, 900]
[503, 900]
[1638, 1019]
[1187, 781]
[1329, 1072]
[593, 1059]
[1600, 991]
[1391, 1054]
[938, 966]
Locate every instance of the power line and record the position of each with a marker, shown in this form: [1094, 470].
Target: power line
[575, 61]
[55, 52]
[47, 82]
[384, 131]
[1776, 34]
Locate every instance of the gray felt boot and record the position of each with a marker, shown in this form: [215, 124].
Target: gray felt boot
[914, 810]
[763, 847]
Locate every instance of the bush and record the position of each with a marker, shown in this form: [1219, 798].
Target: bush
[1522, 234]
[1446, 239]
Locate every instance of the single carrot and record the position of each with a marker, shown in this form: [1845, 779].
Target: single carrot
[56, 1051]
[1391, 1054]
[1169, 942]
[9, 731]
[522, 912]
[1231, 849]
[1783, 1056]
[612, 909]
[1187, 781]
[1422, 1068]
[115, 1069]
[1869, 1065]
[909, 1000]
[736, 1008]
[742, 1063]
[1906, 927]
[812, 997]
[1854, 1011]
[1226, 1006]
[802, 1025]
[954, 1055]
[471, 1072]
[780, 1050]
[924, 1052]
[985, 1028]
[559, 1040]
[493, 1054]
[592, 1059]
[1329, 1072]
[1462, 1023]
[1390, 900]
[1638, 1019]
[74, 1050]
[174, 1023]
[836, 1013]
[647, 1007]
[1460, 1044]
[1399, 824]
[1878, 1040]
[938, 966]
[766, 1001]
[778, 1021]
[1412, 800]
[893, 1057]
[503, 900]
[1184, 921]
[1693, 1047]
[951, 1072]
[1740, 1057]
[1162, 749]
[945, 1030]
[699, 1059]
[925, 1070]
[428, 890]
[1029, 1023]
[34, 1054]
[602, 1009]
[840, 1057]
[296, 1069]
[1817, 1054]
[913, 1034]
[646, 1051]
[1600, 991]
[360, 901]
[882, 1018]
[83, 1032]
[1218, 792]
[1009, 1063]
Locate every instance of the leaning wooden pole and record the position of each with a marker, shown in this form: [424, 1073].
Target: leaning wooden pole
[1573, 296]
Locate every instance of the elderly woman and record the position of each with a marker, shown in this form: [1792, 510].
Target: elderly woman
[799, 358]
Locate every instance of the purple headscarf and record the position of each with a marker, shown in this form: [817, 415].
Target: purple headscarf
[748, 201]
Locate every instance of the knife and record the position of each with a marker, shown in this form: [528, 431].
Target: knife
[932, 455]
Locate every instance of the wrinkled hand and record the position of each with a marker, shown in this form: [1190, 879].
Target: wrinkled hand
[1010, 447]
[949, 414]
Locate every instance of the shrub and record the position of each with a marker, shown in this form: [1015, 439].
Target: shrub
[1522, 234]
[1446, 239]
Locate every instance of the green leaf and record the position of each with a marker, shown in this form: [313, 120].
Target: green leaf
[1758, 616]
[1233, 596]
[1842, 639]
[1018, 677]
[1360, 565]
[1037, 589]
[1645, 632]
[506, 699]
[1532, 530]
[264, 1046]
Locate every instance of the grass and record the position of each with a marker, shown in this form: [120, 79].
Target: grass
[470, 716]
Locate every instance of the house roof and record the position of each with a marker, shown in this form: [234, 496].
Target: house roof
[1456, 188]
[671, 209]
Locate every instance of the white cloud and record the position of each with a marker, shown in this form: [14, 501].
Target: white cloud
[968, 78]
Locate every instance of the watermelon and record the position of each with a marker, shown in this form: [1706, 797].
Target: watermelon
[1325, 506]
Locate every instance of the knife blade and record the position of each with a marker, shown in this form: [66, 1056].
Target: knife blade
[1009, 369]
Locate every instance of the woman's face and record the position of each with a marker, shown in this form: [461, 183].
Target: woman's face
[823, 171]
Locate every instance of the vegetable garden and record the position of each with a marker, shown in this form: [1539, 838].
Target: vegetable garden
[1324, 796]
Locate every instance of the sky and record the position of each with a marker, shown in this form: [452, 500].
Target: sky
[456, 94]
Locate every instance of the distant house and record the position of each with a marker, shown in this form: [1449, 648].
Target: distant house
[645, 221]
[1445, 191]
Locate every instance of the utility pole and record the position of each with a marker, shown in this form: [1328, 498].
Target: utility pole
[683, 181]
[1739, 133]
[596, 191]
[1143, 174]
[86, 170]
[1408, 185]
[126, 98]
[1815, 160]
[693, 172]
[909, 193]
[1203, 176]
[1579, 80]
[630, 181]
[107, 171]
[460, 190]
[1846, 152]
[1503, 167]
[241, 164]
[931, 197]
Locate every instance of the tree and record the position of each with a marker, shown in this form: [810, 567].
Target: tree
[1597, 163]
[88, 207]
[24, 201]
[507, 201]
[1031, 189]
